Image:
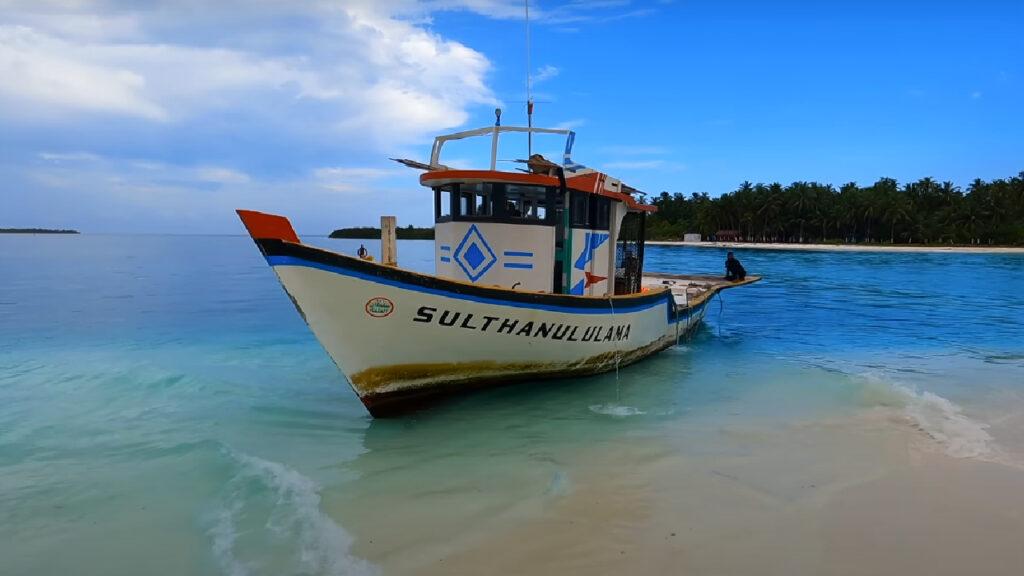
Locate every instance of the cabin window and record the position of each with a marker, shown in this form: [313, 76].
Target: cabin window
[526, 202]
[600, 208]
[442, 204]
[476, 199]
[590, 211]
[500, 202]
[580, 209]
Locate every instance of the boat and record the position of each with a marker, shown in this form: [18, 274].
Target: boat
[539, 274]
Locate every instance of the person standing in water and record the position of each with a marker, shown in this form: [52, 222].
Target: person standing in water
[733, 269]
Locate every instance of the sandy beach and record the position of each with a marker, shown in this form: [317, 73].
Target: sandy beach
[868, 494]
[844, 247]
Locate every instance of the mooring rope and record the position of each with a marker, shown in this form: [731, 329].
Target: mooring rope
[611, 304]
[721, 308]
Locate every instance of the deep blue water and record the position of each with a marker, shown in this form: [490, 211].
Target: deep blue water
[163, 409]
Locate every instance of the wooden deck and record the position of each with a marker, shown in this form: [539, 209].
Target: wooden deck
[693, 290]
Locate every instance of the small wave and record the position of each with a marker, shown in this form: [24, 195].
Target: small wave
[1004, 358]
[941, 419]
[616, 410]
[946, 423]
[224, 534]
[294, 513]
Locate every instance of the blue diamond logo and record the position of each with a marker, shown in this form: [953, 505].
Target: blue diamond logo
[474, 255]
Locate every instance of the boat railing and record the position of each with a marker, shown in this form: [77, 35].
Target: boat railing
[495, 132]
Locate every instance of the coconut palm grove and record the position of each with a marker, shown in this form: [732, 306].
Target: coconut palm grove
[925, 212]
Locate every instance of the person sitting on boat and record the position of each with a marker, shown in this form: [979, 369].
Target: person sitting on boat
[733, 269]
[364, 253]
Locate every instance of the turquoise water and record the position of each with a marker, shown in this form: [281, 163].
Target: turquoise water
[164, 410]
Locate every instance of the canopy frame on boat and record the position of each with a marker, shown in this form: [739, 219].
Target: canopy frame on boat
[495, 132]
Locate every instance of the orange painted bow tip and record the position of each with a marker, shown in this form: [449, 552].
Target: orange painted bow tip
[262, 226]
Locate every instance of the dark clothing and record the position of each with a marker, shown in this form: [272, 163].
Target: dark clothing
[734, 270]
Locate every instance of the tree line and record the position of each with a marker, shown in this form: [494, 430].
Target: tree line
[410, 232]
[922, 212]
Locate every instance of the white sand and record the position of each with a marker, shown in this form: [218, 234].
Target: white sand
[861, 495]
[845, 247]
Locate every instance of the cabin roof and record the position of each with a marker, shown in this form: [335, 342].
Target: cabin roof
[590, 182]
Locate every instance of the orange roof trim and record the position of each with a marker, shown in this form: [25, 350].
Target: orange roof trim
[592, 183]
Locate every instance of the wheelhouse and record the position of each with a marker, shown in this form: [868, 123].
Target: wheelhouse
[552, 228]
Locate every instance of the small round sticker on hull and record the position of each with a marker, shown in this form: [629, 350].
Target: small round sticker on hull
[379, 307]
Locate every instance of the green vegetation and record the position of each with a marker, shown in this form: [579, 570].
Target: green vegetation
[35, 231]
[369, 233]
[922, 212]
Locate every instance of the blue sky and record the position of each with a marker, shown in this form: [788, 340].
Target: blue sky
[165, 116]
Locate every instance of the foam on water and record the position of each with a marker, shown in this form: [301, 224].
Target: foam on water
[616, 410]
[941, 419]
[294, 514]
[945, 422]
[224, 535]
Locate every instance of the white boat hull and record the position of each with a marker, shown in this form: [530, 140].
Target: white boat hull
[400, 337]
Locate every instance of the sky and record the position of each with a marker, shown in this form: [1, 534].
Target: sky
[164, 117]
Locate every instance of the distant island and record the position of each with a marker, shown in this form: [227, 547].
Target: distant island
[369, 233]
[36, 231]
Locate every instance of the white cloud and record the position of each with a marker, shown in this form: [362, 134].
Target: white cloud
[571, 124]
[573, 11]
[221, 175]
[545, 72]
[43, 71]
[353, 179]
[68, 156]
[130, 195]
[166, 115]
[359, 69]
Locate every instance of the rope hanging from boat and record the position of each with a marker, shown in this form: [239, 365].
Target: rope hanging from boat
[615, 345]
[721, 308]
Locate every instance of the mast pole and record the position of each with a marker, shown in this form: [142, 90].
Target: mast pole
[529, 96]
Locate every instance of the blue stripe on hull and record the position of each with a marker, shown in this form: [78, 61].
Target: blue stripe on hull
[293, 261]
[668, 303]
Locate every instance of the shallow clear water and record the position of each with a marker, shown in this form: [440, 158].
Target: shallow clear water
[164, 410]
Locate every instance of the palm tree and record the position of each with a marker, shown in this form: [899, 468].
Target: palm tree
[801, 197]
[896, 210]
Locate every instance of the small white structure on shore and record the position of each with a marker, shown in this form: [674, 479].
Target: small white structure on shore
[691, 237]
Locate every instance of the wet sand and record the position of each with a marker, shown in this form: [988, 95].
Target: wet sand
[861, 495]
[845, 247]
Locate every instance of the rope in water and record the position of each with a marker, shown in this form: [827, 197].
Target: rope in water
[611, 304]
[721, 308]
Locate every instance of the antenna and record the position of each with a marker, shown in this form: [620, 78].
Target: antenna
[529, 96]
